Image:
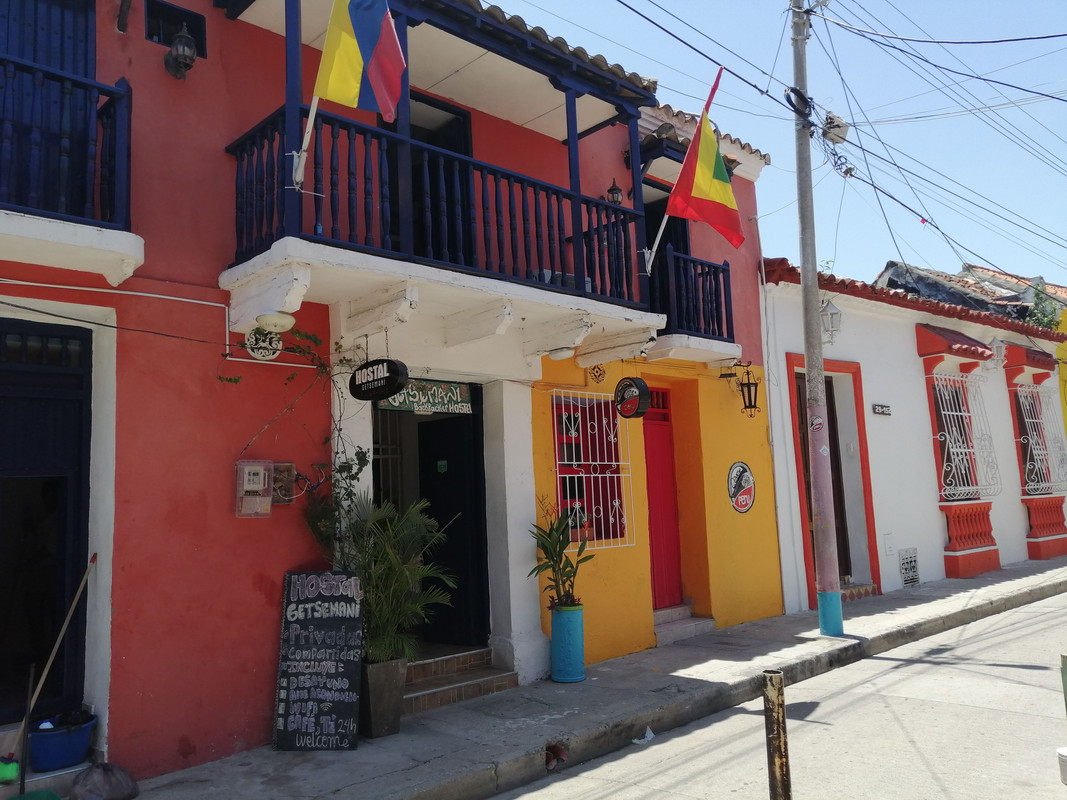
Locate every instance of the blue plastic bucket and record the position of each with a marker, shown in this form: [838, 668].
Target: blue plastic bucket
[59, 747]
[568, 645]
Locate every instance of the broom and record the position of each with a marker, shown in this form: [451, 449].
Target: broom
[32, 700]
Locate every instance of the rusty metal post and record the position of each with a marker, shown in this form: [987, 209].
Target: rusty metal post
[777, 747]
[1063, 676]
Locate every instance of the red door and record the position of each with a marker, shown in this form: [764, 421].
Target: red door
[662, 505]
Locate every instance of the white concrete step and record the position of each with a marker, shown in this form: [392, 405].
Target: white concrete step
[671, 632]
[661, 616]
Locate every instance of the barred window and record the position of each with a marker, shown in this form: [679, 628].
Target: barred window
[592, 468]
[968, 464]
[1042, 452]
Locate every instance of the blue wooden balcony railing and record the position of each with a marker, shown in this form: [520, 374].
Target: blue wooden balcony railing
[372, 190]
[695, 296]
[64, 145]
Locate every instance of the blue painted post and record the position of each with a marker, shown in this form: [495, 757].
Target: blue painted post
[577, 243]
[291, 219]
[404, 174]
[642, 294]
[672, 289]
[120, 214]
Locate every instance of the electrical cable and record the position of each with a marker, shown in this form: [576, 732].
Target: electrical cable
[935, 41]
[1000, 126]
[970, 76]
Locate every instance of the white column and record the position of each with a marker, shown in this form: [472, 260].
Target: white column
[515, 615]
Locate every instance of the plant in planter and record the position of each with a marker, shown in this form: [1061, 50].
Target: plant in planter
[553, 558]
[389, 550]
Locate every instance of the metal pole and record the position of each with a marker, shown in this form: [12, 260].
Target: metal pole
[824, 534]
[1063, 676]
[777, 746]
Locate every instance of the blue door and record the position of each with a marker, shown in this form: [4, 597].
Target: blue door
[45, 406]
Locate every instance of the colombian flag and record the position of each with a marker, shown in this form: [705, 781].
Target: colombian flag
[362, 62]
[703, 190]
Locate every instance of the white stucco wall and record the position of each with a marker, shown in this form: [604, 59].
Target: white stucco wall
[904, 483]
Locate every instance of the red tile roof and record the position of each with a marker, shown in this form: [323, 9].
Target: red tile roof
[779, 270]
[945, 340]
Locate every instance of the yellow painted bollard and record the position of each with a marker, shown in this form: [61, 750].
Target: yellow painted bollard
[777, 747]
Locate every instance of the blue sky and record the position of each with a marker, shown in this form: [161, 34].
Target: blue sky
[978, 175]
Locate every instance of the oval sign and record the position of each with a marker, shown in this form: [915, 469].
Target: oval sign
[741, 487]
[378, 379]
[632, 398]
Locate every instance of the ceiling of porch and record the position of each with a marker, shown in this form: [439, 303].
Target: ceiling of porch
[474, 76]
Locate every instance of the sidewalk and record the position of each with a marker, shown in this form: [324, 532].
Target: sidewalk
[481, 747]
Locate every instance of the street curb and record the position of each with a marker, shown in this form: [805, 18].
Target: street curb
[485, 780]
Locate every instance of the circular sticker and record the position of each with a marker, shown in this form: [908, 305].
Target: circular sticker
[815, 424]
[741, 487]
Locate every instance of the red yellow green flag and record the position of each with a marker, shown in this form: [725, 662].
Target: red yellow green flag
[703, 190]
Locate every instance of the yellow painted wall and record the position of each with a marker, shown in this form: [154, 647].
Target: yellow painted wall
[730, 565]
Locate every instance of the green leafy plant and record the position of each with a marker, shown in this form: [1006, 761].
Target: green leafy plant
[389, 549]
[553, 542]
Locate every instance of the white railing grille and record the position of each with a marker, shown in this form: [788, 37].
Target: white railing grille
[968, 464]
[592, 468]
[1041, 445]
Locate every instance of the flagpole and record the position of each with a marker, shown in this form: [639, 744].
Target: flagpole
[650, 255]
[301, 157]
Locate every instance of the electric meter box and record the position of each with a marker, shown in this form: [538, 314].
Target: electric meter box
[254, 485]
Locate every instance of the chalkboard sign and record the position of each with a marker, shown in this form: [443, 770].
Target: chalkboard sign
[317, 704]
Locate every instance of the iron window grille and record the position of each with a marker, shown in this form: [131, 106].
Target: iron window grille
[593, 482]
[1043, 453]
[969, 468]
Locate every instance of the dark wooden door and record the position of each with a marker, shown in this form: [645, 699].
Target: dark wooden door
[844, 556]
[44, 489]
[664, 543]
[452, 478]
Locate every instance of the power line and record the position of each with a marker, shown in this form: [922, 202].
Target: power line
[854, 29]
[963, 74]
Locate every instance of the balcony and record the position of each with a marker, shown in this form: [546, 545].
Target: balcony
[370, 190]
[64, 171]
[64, 145]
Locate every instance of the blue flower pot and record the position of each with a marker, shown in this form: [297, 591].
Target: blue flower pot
[568, 645]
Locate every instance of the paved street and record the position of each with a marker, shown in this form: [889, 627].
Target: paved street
[975, 712]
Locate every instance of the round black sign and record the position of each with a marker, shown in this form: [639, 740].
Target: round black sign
[632, 398]
[378, 379]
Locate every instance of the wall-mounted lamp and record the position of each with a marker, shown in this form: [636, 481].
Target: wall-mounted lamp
[182, 54]
[830, 315]
[747, 386]
[999, 358]
[276, 321]
[614, 193]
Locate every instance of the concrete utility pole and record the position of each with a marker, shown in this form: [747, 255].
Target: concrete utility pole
[827, 578]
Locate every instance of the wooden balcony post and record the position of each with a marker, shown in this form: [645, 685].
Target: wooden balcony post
[577, 224]
[640, 240]
[672, 287]
[121, 212]
[291, 220]
[404, 176]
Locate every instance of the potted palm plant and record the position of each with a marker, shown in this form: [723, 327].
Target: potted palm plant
[554, 560]
[389, 549]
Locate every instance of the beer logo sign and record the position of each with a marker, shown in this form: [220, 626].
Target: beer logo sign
[632, 398]
[741, 486]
